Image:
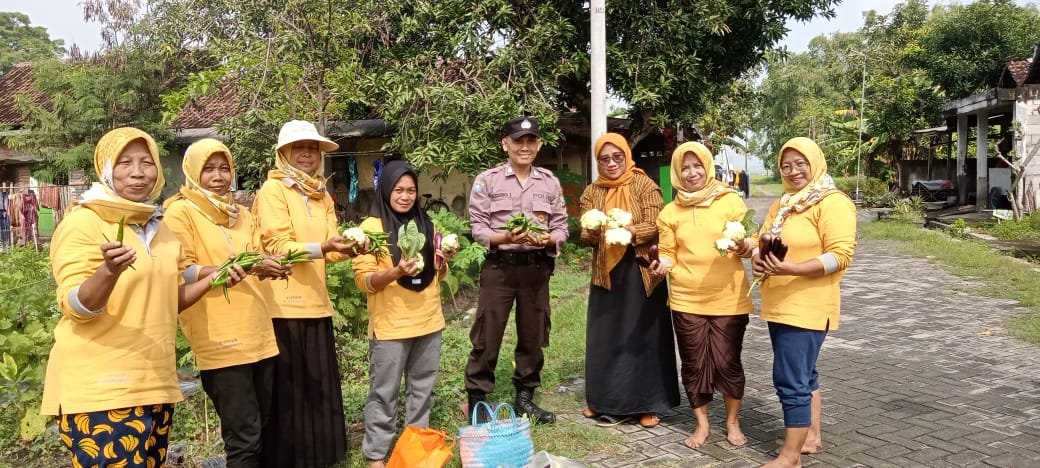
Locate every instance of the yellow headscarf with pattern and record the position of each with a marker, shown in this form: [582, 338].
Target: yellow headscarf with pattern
[313, 185]
[712, 188]
[102, 197]
[220, 210]
[798, 200]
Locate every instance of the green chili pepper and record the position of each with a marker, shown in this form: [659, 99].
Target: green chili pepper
[119, 232]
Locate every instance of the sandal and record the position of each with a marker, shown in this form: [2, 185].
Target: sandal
[606, 420]
[649, 420]
[588, 413]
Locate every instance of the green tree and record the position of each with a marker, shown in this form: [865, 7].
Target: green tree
[20, 41]
[964, 47]
[447, 73]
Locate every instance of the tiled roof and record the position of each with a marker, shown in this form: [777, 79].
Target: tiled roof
[208, 110]
[18, 80]
[1018, 69]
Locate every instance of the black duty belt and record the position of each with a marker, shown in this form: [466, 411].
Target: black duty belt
[530, 257]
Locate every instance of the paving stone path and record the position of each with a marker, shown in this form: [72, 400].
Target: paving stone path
[922, 372]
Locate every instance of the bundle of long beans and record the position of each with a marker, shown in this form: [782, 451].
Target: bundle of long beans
[246, 260]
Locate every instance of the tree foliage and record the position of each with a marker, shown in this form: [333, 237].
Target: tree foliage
[20, 41]
[964, 47]
[913, 60]
[446, 73]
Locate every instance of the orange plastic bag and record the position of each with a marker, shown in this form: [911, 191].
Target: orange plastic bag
[420, 447]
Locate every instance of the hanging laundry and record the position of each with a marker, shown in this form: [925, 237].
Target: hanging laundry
[352, 169]
[5, 219]
[30, 211]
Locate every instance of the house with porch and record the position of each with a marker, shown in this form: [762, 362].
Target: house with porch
[1005, 119]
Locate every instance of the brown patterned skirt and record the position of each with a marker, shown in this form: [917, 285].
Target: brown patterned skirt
[710, 347]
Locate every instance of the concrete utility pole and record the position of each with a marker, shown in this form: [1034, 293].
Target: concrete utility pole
[598, 119]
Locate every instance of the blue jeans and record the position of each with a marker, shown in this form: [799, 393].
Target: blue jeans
[795, 351]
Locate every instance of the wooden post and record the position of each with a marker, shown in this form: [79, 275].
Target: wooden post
[962, 155]
[982, 161]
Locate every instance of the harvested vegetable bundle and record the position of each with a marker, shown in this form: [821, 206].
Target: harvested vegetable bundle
[444, 244]
[377, 241]
[735, 231]
[652, 256]
[119, 235]
[520, 221]
[246, 260]
[411, 243]
[769, 244]
[295, 256]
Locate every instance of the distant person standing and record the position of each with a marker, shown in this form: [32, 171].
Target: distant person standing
[518, 265]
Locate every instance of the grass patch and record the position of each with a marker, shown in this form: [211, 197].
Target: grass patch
[766, 186]
[1005, 276]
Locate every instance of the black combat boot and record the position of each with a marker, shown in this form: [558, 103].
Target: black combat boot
[483, 416]
[525, 405]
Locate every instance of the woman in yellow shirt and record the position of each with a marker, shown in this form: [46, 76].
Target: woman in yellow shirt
[233, 339]
[296, 214]
[801, 295]
[707, 290]
[629, 349]
[111, 377]
[404, 313]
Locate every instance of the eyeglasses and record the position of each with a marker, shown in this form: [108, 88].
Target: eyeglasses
[617, 158]
[798, 166]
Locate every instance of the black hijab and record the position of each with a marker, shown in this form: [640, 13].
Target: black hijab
[392, 221]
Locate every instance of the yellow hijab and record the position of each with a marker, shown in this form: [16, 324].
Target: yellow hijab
[712, 188]
[798, 200]
[220, 210]
[313, 185]
[618, 193]
[102, 197]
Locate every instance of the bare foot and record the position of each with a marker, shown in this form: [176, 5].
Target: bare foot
[812, 446]
[781, 462]
[734, 435]
[376, 464]
[698, 437]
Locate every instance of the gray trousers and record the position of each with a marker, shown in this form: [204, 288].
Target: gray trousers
[417, 359]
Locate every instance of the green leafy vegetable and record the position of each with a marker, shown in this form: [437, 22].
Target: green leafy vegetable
[520, 221]
[411, 243]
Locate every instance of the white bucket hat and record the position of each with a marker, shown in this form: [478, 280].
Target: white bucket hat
[301, 130]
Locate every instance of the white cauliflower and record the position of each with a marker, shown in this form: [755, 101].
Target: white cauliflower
[593, 219]
[420, 264]
[618, 236]
[723, 245]
[355, 234]
[734, 230]
[618, 218]
[450, 243]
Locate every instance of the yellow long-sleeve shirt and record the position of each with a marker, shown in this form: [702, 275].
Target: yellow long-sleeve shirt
[124, 354]
[288, 220]
[826, 231]
[223, 334]
[702, 281]
[395, 312]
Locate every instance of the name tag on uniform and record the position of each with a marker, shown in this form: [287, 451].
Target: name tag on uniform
[416, 281]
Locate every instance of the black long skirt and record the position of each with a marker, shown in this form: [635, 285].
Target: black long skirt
[307, 428]
[629, 346]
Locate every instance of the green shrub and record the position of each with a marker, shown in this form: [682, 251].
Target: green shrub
[910, 210]
[874, 192]
[28, 314]
[1027, 228]
[959, 228]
